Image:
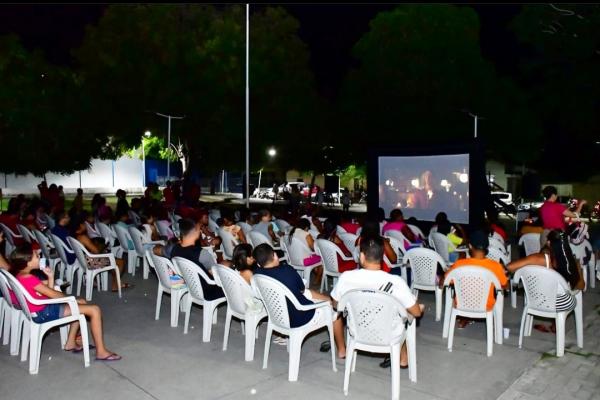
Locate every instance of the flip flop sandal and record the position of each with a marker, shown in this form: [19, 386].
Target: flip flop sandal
[75, 349]
[325, 347]
[80, 349]
[112, 357]
[125, 286]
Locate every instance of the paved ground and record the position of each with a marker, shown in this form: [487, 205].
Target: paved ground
[161, 362]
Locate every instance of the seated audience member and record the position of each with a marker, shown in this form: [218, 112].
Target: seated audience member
[330, 233]
[123, 221]
[190, 250]
[348, 224]
[122, 204]
[61, 229]
[478, 246]
[228, 224]
[397, 223]
[557, 255]
[23, 262]
[370, 230]
[445, 228]
[266, 227]
[301, 232]
[207, 237]
[78, 200]
[370, 276]
[269, 264]
[96, 245]
[243, 261]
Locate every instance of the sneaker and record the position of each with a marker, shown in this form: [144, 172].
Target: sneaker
[385, 363]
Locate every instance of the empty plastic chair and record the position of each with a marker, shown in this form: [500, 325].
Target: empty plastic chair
[424, 264]
[164, 269]
[531, 243]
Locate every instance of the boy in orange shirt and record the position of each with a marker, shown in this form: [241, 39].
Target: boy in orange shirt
[478, 245]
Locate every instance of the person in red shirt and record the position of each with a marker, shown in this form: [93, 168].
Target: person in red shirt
[330, 233]
[553, 213]
[169, 195]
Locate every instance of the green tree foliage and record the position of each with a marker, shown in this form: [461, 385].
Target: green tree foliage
[190, 60]
[39, 130]
[420, 66]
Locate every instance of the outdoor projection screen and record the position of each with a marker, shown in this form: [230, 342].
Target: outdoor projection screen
[422, 186]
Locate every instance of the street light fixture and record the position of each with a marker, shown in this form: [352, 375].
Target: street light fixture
[272, 152]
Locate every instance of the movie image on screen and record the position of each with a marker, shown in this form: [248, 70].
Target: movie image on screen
[422, 186]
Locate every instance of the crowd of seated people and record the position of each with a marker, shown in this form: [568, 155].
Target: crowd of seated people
[199, 243]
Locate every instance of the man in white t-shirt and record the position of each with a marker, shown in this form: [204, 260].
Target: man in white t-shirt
[370, 276]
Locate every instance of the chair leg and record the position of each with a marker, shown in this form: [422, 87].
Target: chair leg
[447, 313]
[395, 364]
[529, 326]
[64, 333]
[25, 340]
[118, 276]
[15, 332]
[348, 368]
[438, 304]
[295, 346]
[411, 347]
[513, 294]
[145, 269]
[267, 345]
[35, 348]
[89, 285]
[175, 302]
[579, 319]
[523, 327]
[83, 330]
[489, 324]
[250, 337]
[451, 330]
[158, 302]
[227, 327]
[331, 341]
[498, 318]
[7, 325]
[207, 318]
[560, 333]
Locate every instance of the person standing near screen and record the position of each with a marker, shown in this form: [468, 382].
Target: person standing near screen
[553, 213]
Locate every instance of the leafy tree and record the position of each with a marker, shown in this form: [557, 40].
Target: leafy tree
[420, 68]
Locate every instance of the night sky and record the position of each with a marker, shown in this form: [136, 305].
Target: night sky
[329, 30]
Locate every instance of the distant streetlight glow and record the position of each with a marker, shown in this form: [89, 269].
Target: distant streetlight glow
[147, 133]
[272, 152]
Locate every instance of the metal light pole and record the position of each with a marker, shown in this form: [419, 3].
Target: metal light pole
[169, 117]
[248, 106]
[146, 134]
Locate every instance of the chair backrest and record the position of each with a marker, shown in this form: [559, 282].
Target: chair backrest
[541, 287]
[162, 266]
[273, 294]
[496, 244]
[9, 235]
[228, 242]
[283, 225]
[398, 247]
[497, 255]
[50, 223]
[297, 251]
[531, 243]
[61, 249]
[162, 226]
[472, 287]
[214, 214]
[416, 231]
[578, 251]
[138, 240]
[123, 236]
[374, 318]
[134, 217]
[19, 293]
[398, 236]
[25, 233]
[79, 250]
[440, 244]
[192, 273]
[349, 240]
[44, 243]
[236, 289]
[258, 238]
[212, 225]
[5, 288]
[423, 263]
[340, 230]
[328, 252]
[91, 231]
[497, 236]
[246, 227]
[107, 233]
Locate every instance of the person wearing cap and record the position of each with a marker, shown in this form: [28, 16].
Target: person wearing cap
[478, 245]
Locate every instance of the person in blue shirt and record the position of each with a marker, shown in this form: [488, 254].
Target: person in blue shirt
[61, 229]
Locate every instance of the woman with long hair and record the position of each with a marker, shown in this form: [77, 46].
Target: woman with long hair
[243, 262]
[556, 254]
[330, 233]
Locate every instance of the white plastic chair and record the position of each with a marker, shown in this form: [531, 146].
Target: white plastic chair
[579, 252]
[246, 227]
[67, 271]
[398, 248]
[140, 245]
[46, 247]
[12, 318]
[541, 289]
[228, 243]
[124, 239]
[497, 236]
[423, 263]
[274, 295]
[349, 240]
[283, 225]
[328, 252]
[164, 230]
[91, 273]
[297, 251]
[377, 323]
[134, 217]
[398, 236]
[499, 256]
[26, 234]
[417, 231]
[471, 288]
[238, 294]
[162, 266]
[192, 273]
[92, 232]
[441, 243]
[531, 243]
[9, 242]
[33, 332]
[109, 237]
